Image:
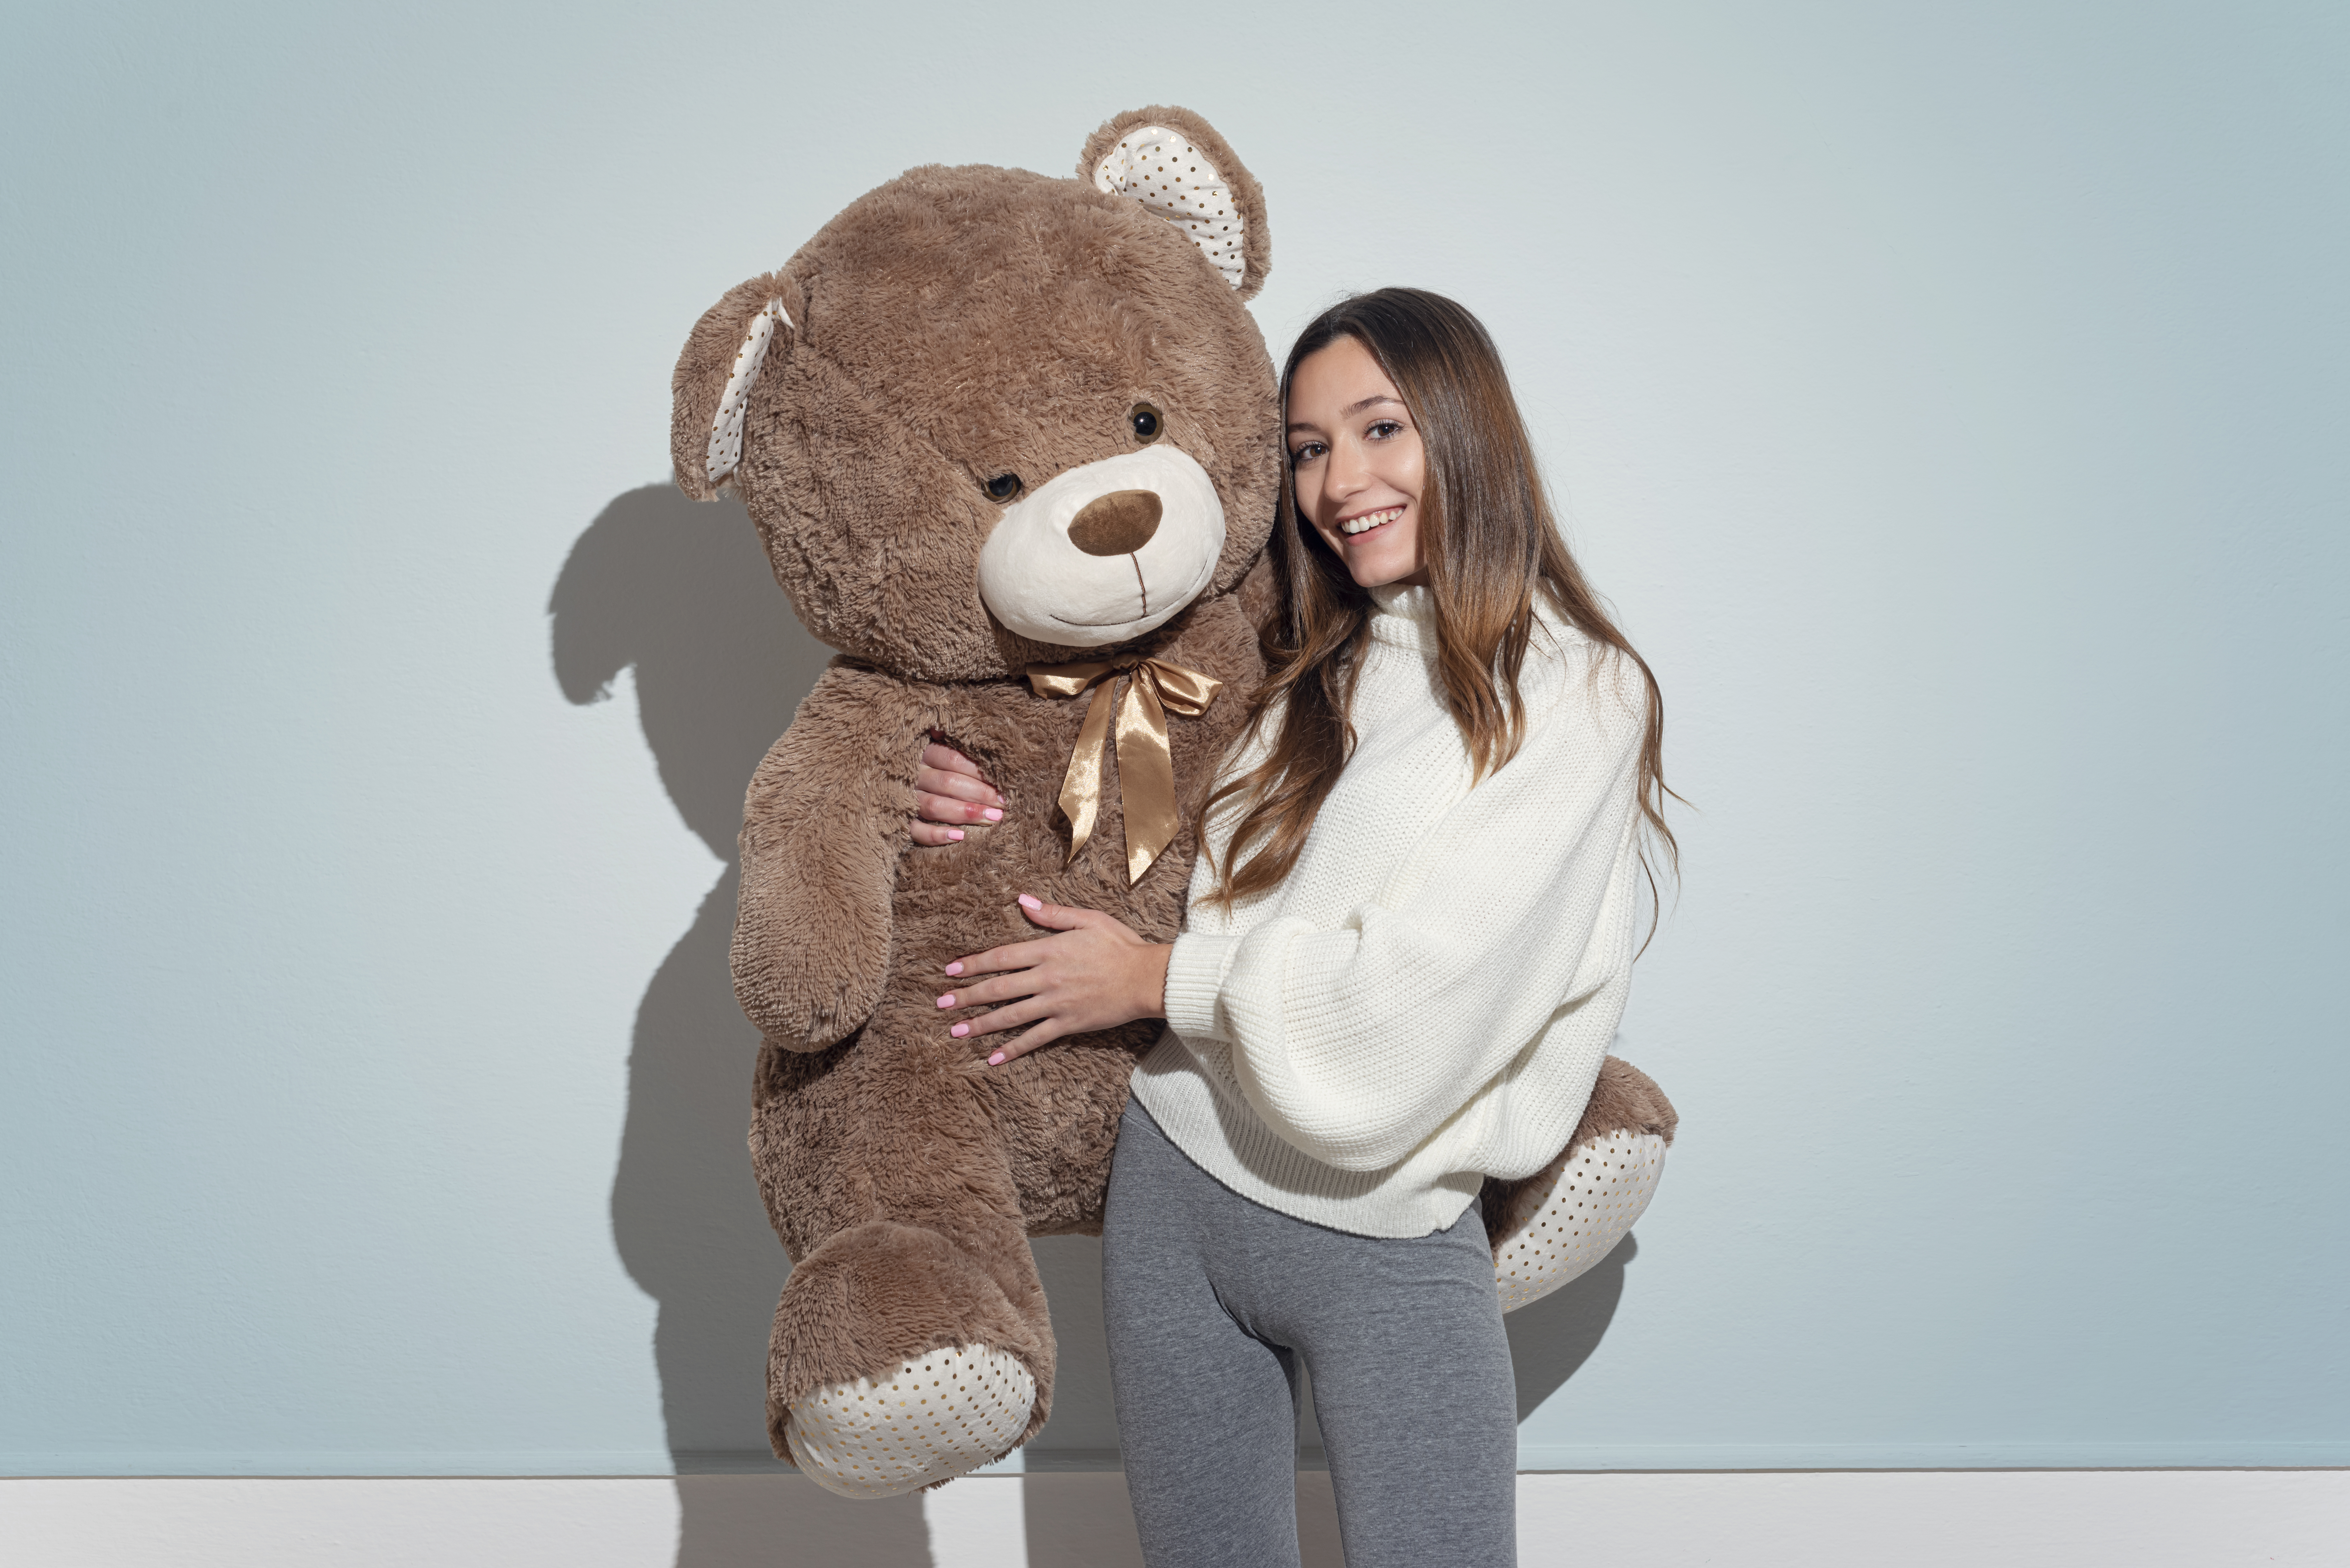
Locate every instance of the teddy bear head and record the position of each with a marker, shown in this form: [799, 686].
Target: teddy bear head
[986, 419]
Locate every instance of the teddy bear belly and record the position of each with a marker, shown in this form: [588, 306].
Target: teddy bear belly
[901, 1116]
[903, 1122]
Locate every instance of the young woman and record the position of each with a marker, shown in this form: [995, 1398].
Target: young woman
[1410, 939]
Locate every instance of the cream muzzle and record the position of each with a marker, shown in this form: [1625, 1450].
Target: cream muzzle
[1057, 567]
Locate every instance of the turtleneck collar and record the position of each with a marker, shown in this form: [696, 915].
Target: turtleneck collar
[1405, 617]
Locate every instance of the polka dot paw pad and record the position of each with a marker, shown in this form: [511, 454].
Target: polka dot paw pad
[934, 1417]
[1575, 1212]
[1160, 169]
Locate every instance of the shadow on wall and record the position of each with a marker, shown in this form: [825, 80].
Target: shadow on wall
[680, 592]
[1552, 1338]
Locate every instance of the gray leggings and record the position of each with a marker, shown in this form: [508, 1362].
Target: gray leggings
[1211, 1299]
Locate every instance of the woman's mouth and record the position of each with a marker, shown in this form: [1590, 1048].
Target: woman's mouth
[1351, 527]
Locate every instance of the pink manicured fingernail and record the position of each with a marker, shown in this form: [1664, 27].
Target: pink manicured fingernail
[960, 1030]
[955, 834]
[1028, 903]
[993, 814]
[955, 968]
[996, 1060]
[948, 1000]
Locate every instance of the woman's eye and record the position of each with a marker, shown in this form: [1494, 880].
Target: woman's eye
[1003, 487]
[1306, 454]
[1383, 429]
[1146, 423]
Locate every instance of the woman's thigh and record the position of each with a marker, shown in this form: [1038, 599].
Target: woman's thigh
[1206, 1411]
[1209, 1296]
[1417, 1401]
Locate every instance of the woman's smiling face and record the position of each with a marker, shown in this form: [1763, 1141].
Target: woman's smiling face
[1357, 463]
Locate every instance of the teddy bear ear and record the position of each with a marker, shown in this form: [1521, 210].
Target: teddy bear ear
[1175, 164]
[718, 372]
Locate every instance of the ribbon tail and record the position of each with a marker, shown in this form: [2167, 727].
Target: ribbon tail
[1146, 773]
[1081, 786]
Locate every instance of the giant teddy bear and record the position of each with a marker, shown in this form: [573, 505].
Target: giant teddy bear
[1010, 443]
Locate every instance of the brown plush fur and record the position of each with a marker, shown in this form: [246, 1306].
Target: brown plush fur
[1624, 1099]
[955, 325]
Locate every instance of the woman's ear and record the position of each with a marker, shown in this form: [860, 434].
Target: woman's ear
[1175, 164]
[743, 334]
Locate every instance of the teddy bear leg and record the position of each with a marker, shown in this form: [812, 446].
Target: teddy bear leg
[1553, 1225]
[1571, 1213]
[900, 1359]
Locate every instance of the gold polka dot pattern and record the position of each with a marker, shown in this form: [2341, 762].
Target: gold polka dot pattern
[936, 1417]
[1160, 169]
[726, 425]
[1572, 1215]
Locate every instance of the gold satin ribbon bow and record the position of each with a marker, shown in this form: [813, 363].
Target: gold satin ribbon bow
[1146, 768]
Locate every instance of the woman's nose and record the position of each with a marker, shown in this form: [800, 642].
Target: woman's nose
[1349, 469]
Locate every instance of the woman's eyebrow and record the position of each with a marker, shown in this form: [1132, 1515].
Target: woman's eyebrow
[1349, 411]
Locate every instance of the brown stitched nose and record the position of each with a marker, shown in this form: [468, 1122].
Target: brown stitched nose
[1117, 524]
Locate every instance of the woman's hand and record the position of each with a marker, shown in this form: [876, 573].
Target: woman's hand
[1094, 973]
[948, 789]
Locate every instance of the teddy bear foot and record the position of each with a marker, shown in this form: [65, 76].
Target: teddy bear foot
[1570, 1215]
[899, 1360]
[934, 1417]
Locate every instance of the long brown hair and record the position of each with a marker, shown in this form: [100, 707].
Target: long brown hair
[1490, 544]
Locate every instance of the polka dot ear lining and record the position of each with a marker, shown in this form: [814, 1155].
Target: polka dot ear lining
[726, 425]
[1166, 173]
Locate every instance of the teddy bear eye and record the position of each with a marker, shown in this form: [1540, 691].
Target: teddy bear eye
[1147, 422]
[1003, 487]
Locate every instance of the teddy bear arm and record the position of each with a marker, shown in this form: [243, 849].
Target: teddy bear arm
[822, 833]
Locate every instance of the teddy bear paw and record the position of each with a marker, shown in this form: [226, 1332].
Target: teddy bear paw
[1573, 1213]
[936, 1417]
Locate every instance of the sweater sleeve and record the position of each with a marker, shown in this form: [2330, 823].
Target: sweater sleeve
[1357, 1040]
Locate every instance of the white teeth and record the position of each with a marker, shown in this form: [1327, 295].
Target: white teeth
[1369, 520]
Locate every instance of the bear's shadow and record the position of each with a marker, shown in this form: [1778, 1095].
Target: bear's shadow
[680, 592]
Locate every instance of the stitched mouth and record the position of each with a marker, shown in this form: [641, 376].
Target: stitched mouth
[1140, 582]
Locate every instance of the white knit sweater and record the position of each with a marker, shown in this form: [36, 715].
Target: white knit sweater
[1426, 998]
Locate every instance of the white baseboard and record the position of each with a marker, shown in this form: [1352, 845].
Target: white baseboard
[1939, 1519]
[2170, 1454]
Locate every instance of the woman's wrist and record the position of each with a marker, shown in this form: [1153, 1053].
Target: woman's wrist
[1151, 985]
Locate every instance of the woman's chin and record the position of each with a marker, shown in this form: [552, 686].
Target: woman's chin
[1374, 571]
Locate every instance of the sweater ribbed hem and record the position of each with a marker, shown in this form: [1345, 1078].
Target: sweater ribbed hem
[1221, 1135]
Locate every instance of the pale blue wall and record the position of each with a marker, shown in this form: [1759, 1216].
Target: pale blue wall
[1953, 398]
